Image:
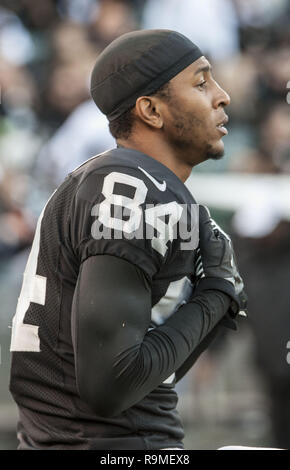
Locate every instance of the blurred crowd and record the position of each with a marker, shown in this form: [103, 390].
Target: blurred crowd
[49, 125]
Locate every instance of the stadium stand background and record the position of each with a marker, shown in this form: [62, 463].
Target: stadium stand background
[238, 393]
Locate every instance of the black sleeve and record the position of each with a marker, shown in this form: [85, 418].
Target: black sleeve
[118, 361]
[226, 322]
[202, 346]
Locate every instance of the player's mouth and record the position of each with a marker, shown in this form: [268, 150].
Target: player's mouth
[221, 126]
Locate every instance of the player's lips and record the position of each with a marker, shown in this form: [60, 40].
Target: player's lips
[221, 126]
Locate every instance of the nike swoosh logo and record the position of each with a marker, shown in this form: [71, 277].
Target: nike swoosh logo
[160, 186]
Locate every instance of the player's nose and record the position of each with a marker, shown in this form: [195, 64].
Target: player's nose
[222, 98]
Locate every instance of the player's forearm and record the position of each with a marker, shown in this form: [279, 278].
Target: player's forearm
[167, 348]
[195, 320]
[196, 353]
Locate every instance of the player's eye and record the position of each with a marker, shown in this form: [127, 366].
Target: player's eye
[202, 85]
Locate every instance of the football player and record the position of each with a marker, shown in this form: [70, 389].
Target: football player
[128, 279]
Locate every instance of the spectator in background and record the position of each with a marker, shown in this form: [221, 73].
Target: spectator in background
[37, 16]
[67, 34]
[63, 152]
[112, 19]
[275, 136]
[65, 83]
[67, 88]
[16, 229]
[272, 152]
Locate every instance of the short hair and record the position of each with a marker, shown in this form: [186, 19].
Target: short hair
[121, 127]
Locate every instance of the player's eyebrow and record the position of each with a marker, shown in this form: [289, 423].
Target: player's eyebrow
[204, 68]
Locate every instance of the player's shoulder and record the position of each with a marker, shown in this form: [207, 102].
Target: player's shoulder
[129, 205]
[133, 170]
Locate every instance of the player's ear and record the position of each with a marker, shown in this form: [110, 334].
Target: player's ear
[147, 108]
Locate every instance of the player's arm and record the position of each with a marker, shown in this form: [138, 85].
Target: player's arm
[216, 263]
[118, 361]
[201, 347]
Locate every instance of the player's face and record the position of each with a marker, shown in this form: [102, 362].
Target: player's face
[194, 117]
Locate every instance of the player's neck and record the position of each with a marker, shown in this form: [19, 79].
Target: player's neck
[160, 152]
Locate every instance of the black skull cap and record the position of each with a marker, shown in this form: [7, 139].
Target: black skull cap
[137, 64]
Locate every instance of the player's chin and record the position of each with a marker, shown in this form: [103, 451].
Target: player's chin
[216, 151]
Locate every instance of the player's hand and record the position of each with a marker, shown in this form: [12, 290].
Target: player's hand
[217, 267]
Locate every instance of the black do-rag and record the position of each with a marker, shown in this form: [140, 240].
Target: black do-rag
[137, 64]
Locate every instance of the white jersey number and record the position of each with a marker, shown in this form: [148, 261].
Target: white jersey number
[24, 336]
[153, 215]
[132, 205]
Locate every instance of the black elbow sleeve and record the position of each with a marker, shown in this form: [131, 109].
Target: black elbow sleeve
[104, 404]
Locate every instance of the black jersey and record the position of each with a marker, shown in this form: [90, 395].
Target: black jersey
[121, 203]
